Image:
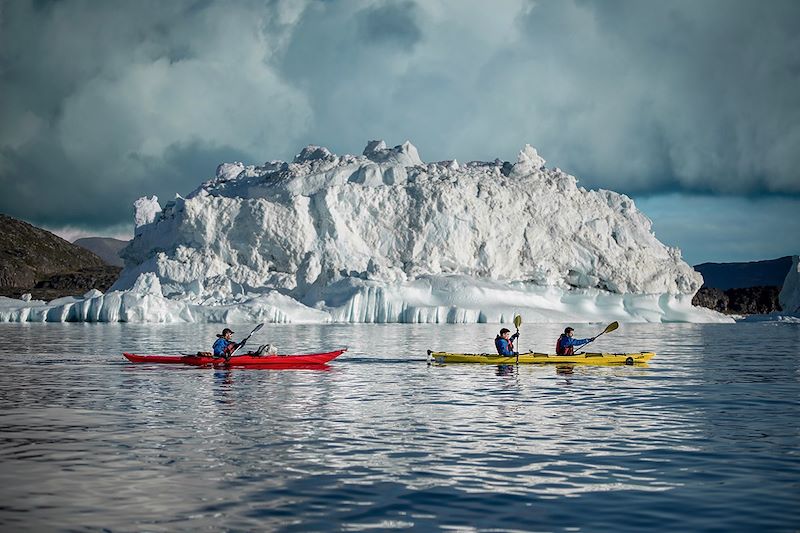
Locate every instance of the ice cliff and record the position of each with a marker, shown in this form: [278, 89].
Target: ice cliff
[789, 297]
[386, 237]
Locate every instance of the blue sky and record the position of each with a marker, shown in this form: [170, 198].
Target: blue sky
[692, 108]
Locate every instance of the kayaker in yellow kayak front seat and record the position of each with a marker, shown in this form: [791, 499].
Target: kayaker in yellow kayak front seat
[504, 342]
[224, 346]
[565, 345]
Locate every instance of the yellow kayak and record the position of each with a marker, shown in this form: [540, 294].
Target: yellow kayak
[540, 358]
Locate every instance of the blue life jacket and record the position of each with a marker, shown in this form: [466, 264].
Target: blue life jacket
[221, 345]
[505, 347]
[566, 345]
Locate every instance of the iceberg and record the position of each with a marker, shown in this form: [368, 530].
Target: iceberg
[387, 237]
[789, 297]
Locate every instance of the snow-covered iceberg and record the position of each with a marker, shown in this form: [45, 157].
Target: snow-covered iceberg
[386, 237]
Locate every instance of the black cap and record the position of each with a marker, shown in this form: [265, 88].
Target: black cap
[225, 332]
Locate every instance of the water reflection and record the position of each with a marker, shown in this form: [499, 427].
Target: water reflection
[703, 438]
[505, 370]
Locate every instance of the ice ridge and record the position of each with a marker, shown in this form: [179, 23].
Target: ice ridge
[387, 237]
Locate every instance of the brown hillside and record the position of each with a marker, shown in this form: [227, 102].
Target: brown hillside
[29, 255]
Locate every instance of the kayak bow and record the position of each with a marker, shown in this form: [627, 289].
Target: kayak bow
[238, 360]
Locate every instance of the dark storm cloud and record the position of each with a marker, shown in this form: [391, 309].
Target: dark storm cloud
[103, 102]
[107, 101]
[393, 24]
[350, 63]
[703, 95]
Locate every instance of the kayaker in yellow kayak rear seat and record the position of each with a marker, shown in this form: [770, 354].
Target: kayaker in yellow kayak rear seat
[565, 345]
[504, 342]
[224, 346]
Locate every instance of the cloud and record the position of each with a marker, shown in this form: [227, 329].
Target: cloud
[392, 24]
[107, 101]
[684, 95]
[627, 95]
[146, 86]
[123, 232]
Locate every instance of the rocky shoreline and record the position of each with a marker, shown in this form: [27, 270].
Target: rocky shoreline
[740, 301]
[72, 283]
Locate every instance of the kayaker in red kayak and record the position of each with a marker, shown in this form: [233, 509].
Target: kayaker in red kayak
[224, 346]
[565, 345]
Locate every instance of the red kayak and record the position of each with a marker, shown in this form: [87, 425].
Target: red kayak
[239, 360]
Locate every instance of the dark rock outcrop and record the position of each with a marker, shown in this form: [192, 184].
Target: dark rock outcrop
[739, 301]
[35, 261]
[715, 299]
[75, 283]
[742, 288]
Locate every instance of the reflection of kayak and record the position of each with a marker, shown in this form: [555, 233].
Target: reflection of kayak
[239, 360]
[581, 358]
[324, 367]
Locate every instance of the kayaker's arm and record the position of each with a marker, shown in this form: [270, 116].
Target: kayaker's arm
[231, 347]
[583, 342]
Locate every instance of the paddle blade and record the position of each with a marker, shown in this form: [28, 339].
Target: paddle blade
[611, 327]
[517, 321]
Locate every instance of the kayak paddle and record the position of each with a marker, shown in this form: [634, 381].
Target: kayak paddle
[258, 327]
[517, 324]
[609, 328]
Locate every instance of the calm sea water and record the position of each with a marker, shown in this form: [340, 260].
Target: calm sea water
[705, 438]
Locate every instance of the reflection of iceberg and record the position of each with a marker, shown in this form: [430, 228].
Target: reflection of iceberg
[385, 237]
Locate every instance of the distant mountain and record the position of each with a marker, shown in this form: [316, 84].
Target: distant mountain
[31, 256]
[106, 248]
[725, 276]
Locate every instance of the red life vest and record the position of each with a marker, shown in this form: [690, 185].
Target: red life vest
[561, 350]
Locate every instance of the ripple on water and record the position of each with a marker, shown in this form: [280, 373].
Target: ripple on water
[705, 437]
